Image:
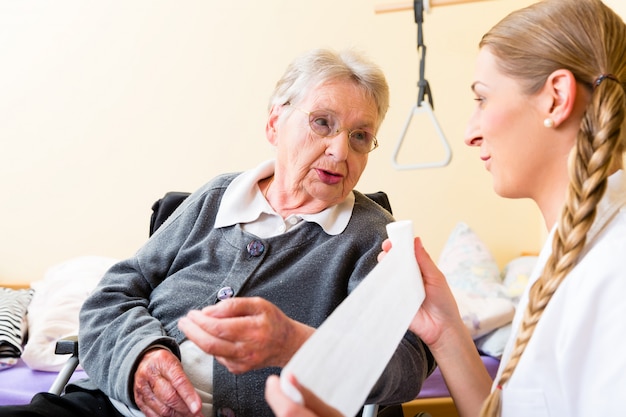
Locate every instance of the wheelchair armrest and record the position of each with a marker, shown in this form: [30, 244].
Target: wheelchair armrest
[68, 345]
[65, 346]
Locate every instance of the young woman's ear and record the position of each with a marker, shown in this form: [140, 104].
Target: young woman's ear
[560, 92]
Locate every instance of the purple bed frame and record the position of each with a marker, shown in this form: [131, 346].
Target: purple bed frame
[20, 383]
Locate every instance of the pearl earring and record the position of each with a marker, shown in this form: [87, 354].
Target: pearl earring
[548, 122]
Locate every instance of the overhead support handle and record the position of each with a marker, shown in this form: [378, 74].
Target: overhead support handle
[423, 108]
[424, 104]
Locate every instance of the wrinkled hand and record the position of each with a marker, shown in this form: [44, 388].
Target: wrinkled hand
[439, 309]
[161, 387]
[283, 406]
[245, 333]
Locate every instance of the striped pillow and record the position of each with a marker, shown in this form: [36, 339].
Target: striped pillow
[13, 305]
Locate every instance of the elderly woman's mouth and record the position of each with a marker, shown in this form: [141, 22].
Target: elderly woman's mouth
[329, 177]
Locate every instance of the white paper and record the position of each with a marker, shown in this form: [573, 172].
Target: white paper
[344, 358]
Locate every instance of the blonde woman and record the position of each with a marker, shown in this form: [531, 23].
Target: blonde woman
[549, 122]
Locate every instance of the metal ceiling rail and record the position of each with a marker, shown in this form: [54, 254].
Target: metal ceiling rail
[399, 7]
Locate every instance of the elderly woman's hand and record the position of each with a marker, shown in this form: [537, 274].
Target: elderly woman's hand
[283, 406]
[245, 333]
[161, 387]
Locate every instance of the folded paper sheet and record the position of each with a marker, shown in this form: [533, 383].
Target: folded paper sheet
[344, 358]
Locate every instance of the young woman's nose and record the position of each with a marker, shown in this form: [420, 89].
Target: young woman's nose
[473, 137]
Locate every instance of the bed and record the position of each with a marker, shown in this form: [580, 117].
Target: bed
[20, 383]
[486, 296]
[434, 397]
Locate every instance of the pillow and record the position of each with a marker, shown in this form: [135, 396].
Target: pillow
[468, 264]
[474, 277]
[13, 325]
[482, 315]
[53, 311]
[516, 274]
[515, 277]
[493, 343]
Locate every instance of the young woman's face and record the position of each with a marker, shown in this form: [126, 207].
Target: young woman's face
[507, 125]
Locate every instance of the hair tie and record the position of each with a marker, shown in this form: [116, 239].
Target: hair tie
[603, 77]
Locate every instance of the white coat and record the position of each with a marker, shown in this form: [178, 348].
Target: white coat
[575, 362]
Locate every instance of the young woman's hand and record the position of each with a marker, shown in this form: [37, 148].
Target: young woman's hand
[284, 406]
[439, 309]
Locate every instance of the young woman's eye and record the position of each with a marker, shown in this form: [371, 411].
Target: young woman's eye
[479, 100]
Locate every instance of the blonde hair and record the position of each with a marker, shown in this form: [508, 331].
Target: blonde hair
[588, 39]
[319, 66]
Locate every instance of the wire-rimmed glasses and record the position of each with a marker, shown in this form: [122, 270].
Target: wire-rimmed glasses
[325, 124]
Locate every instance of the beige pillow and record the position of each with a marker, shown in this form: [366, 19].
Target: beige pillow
[53, 311]
[474, 277]
[469, 265]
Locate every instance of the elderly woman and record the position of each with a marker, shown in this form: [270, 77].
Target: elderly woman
[236, 280]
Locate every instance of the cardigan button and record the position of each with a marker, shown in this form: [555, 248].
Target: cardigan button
[224, 293]
[255, 248]
[225, 412]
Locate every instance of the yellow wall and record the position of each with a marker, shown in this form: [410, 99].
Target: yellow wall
[107, 105]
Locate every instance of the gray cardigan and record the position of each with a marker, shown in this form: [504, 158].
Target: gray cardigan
[306, 273]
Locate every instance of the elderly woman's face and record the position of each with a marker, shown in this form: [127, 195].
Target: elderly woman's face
[321, 170]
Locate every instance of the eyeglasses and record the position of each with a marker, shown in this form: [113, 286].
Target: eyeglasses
[325, 124]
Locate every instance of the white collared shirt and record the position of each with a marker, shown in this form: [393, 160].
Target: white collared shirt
[244, 203]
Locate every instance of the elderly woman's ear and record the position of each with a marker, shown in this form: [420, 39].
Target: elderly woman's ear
[272, 121]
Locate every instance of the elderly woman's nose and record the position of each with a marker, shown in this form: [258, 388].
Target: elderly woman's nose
[339, 145]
